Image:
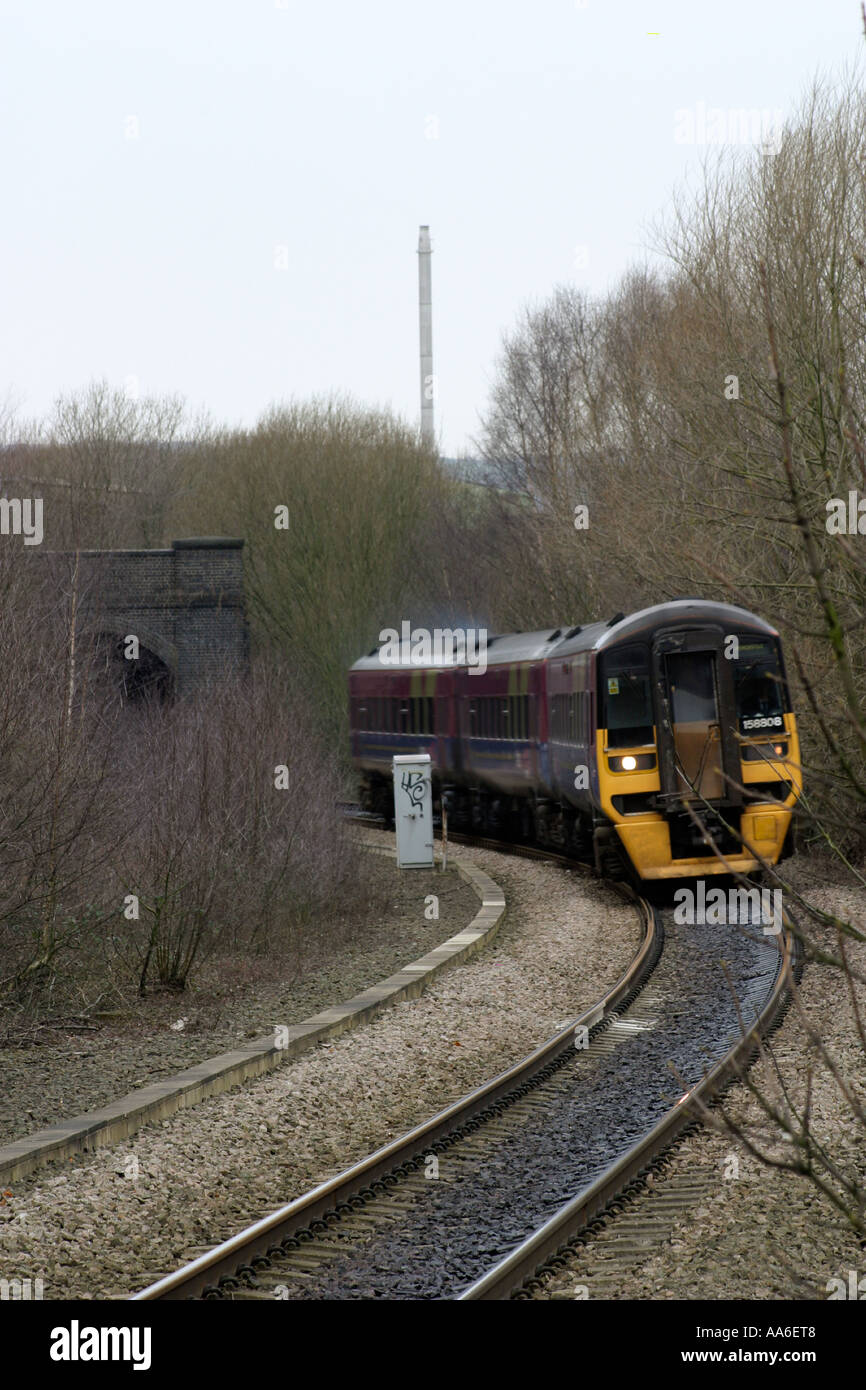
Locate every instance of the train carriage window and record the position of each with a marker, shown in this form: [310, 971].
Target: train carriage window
[627, 703]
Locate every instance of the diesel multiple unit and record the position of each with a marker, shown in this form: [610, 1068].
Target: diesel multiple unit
[664, 740]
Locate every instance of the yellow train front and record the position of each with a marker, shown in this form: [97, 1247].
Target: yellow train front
[672, 740]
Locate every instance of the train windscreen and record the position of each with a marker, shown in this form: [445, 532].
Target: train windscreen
[759, 686]
[626, 698]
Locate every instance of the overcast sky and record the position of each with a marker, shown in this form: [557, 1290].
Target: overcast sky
[222, 197]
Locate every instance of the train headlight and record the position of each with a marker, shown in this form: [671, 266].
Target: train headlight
[632, 762]
[761, 752]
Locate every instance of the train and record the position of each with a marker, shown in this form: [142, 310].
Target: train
[659, 745]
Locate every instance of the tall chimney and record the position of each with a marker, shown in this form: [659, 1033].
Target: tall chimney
[425, 318]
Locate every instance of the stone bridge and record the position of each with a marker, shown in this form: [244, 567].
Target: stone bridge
[184, 605]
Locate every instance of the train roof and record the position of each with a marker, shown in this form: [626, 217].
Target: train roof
[507, 647]
[500, 649]
[692, 611]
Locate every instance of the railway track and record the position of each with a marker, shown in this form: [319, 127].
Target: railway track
[477, 1200]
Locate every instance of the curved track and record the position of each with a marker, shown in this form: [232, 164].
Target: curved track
[525, 1161]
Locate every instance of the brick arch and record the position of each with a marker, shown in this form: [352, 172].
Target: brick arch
[113, 626]
[185, 604]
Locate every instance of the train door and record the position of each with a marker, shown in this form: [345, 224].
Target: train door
[699, 757]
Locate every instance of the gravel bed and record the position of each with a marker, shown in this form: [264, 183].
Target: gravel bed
[484, 1203]
[67, 1073]
[758, 1233]
[104, 1224]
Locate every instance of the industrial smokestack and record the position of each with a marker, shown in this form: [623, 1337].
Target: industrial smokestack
[425, 319]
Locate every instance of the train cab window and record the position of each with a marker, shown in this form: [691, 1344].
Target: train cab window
[692, 681]
[626, 701]
[759, 686]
